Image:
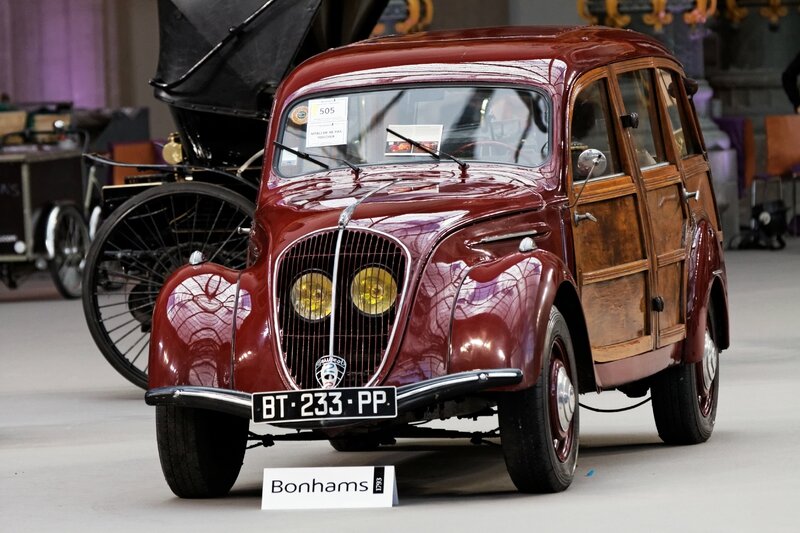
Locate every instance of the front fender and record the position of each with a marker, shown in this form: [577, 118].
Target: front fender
[501, 313]
[193, 323]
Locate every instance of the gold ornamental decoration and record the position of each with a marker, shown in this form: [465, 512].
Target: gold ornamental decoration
[614, 18]
[735, 13]
[583, 11]
[699, 15]
[774, 12]
[660, 16]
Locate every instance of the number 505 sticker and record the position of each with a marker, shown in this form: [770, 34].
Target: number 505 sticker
[327, 110]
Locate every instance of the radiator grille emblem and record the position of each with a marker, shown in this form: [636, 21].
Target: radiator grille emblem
[330, 371]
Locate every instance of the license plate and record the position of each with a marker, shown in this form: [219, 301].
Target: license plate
[325, 404]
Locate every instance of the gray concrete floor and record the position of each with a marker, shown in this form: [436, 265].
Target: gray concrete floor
[78, 449]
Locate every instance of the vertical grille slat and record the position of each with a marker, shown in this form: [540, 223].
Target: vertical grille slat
[361, 339]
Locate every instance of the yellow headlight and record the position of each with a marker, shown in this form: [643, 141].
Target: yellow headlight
[373, 290]
[311, 296]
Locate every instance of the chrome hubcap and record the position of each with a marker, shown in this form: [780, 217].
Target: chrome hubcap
[565, 399]
[710, 361]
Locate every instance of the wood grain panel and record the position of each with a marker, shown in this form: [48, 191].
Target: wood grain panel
[623, 350]
[614, 272]
[700, 182]
[615, 310]
[666, 209]
[670, 280]
[615, 238]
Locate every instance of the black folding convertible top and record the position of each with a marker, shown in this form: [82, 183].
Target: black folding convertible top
[220, 62]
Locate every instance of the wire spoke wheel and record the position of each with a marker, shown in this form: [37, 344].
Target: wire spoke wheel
[143, 241]
[70, 242]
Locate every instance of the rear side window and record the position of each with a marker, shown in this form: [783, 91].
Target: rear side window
[592, 127]
[638, 97]
[679, 113]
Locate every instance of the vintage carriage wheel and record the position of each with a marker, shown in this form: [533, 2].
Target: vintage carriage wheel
[685, 397]
[70, 241]
[143, 241]
[539, 426]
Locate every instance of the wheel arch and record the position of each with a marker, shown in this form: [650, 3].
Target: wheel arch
[486, 333]
[568, 303]
[718, 302]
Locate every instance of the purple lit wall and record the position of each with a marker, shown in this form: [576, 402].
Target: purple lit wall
[55, 50]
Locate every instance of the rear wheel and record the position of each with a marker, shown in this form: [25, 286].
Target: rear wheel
[539, 426]
[685, 397]
[201, 451]
[70, 242]
[143, 241]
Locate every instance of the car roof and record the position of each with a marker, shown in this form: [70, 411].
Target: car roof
[578, 48]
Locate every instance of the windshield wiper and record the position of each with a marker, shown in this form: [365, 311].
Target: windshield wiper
[436, 155]
[312, 157]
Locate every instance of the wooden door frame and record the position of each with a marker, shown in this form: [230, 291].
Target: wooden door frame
[617, 186]
[665, 174]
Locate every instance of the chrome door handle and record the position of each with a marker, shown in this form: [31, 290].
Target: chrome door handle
[579, 217]
[694, 195]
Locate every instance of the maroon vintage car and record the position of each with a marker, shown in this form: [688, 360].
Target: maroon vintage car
[461, 224]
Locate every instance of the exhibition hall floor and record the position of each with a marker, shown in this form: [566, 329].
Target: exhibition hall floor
[78, 448]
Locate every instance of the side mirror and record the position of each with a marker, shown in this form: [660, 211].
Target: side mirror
[591, 162]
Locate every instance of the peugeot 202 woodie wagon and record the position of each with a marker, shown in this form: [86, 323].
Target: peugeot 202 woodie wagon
[458, 224]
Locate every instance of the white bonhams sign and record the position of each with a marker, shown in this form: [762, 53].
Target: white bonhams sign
[329, 488]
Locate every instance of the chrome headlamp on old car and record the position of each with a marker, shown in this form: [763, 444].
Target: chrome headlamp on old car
[311, 296]
[373, 290]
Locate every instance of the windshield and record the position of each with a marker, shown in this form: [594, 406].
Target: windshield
[490, 124]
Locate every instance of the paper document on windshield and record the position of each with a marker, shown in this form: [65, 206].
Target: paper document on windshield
[327, 122]
[428, 135]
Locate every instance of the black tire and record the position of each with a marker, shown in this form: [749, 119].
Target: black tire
[143, 241]
[685, 397]
[538, 433]
[201, 451]
[70, 243]
[361, 443]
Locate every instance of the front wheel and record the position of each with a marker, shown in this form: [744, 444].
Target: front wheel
[201, 451]
[70, 240]
[685, 397]
[539, 426]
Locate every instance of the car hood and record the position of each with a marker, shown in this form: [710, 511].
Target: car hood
[416, 207]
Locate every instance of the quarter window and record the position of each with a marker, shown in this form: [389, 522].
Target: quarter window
[680, 124]
[638, 97]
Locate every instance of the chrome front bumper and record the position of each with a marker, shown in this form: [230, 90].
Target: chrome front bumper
[409, 397]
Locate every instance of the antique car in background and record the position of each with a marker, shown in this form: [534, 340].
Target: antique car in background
[456, 224]
[219, 65]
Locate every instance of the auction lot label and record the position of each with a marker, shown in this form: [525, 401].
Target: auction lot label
[329, 487]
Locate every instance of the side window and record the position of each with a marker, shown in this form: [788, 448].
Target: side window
[592, 127]
[638, 96]
[679, 113]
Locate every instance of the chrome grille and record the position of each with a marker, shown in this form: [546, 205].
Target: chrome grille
[359, 339]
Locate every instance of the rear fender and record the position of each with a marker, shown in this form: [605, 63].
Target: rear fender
[194, 320]
[707, 268]
[501, 313]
